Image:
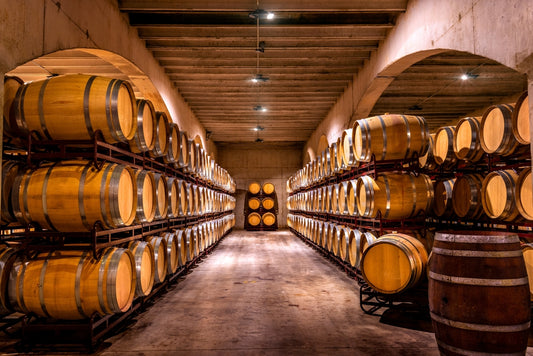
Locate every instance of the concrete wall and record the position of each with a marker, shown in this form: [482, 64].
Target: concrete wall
[260, 162]
[33, 28]
[499, 30]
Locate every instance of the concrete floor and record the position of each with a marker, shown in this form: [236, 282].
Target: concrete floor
[264, 293]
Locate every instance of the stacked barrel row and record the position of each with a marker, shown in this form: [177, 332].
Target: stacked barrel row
[179, 189]
[90, 104]
[74, 285]
[261, 207]
[73, 195]
[390, 264]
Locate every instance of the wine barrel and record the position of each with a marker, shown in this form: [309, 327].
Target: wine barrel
[254, 203]
[497, 130]
[72, 285]
[183, 198]
[396, 196]
[145, 135]
[183, 161]
[333, 246]
[340, 155]
[173, 251]
[173, 197]
[162, 134]
[192, 194]
[351, 194]
[498, 195]
[354, 243]
[254, 219]
[394, 263]
[333, 162]
[466, 141]
[160, 257]
[268, 219]
[86, 103]
[161, 194]
[389, 137]
[254, 188]
[182, 246]
[347, 146]
[344, 244]
[326, 163]
[268, 188]
[367, 239]
[10, 170]
[443, 152]
[146, 196]
[335, 198]
[7, 258]
[11, 87]
[143, 255]
[342, 198]
[73, 195]
[479, 297]
[520, 120]
[442, 204]
[466, 196]
[268, 203]
[524, 194]
[427, 160]
[173, 151]
[325, 233]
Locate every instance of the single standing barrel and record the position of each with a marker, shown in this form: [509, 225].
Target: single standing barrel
[72, 285]
[389, 137]
[524, 194]
[443, 146]
[466, 196]
[497, 131]
[396, 196]
[520, 120]
[162, 132]
[442, 205]
[268, 188]
[498, 195]
[466, 141]
[394, 263]
[479, 297]
[145, 136]
[86, 103]
[268, 219]
[143, 255]
[146, 196]
[73, 195]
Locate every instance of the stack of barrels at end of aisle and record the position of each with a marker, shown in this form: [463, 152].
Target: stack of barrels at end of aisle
[74, 285]
[94, 104]
[261, 207]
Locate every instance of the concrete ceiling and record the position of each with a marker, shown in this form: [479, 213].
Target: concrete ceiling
[312, 49]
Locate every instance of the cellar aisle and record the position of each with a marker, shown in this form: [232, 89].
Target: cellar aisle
[264, 293]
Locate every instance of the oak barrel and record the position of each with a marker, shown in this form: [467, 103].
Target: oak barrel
[479, 297]
[347, 147]
[466, 196]
[367, 239]
[11, 87]
[182, 246]
[7, 258]
[254, 188]
[183, 199]
[498, 195]
[145, 135]
[173, 197]
[394, 263]
[254, 203]
[268, 188]
[146, 196]
[159, 245]
[354, 243]
[161, 194]
[184, 150]
[143, 255]
[10, 171]
[389, 137]
[86, 103]
[254, 219]
[443, 146]
[173, 152]
[73, 195]
[344, 244]
[162, 133]
[442, 204]
[173, 252]
[466, 141]
[524, 194]
[72, 285]
[427, 160]
[268, 203]
[520, 120]
[497, 130]
[268, 219]
[396, 196]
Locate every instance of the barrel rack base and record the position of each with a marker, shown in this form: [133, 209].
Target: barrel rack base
[414, 300]
[89, 334]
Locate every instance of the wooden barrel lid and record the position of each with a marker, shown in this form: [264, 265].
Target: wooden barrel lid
[254, 203]
[466, 196]
[124, 279]
[254, 188]
[254, 219]
[442, 203]
[498, 194]
[268, 203]
[126, 196]
[495, 127]
[269, 219]
[268, 188]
